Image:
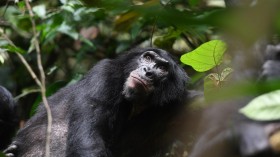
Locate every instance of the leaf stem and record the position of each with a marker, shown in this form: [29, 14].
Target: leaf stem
[217, 68]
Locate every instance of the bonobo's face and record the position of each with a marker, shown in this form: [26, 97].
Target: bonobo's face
[151, 70]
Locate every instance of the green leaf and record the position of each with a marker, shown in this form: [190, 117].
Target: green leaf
[88, 42]
[66, 29]
[48, 30]
[3, 56]
[206, 56]
[51, 70]
[167, 41]
[75, 79]
[21, 5]
[2, 60]
[77, 14]
[194, 2]
[32, 45]
[263, 108]
[226, 73]
[40, 10]
[135, 30]
[91, 10]
[14, 49]
[68, 8]
[63, 1]
[211, 80]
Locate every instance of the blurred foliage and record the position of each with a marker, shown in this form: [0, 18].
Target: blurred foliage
[75, 34]
[263, 108]
[2, 155]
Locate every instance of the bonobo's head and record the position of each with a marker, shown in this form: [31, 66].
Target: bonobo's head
[153, 77]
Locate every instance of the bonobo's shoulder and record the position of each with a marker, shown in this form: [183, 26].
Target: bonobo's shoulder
[104, 66]
[105, 63]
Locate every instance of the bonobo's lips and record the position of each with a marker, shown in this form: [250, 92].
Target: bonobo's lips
[140, 81]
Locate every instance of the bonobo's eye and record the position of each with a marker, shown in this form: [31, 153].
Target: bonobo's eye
[148, 58]
[163, 68]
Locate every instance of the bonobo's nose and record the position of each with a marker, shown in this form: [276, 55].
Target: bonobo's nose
[148, 72]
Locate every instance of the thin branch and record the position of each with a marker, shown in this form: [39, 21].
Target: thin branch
[153, 31]
[42, 74]
[26, 93]
[188, 41]
[31, 72]
[6, 6]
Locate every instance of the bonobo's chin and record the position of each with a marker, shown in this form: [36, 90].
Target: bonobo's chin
[137, 89]
[134, 94]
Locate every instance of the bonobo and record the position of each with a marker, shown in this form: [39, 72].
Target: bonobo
[89, 116]
[8, 119]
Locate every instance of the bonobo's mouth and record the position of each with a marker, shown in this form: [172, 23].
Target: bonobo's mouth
[139, 81]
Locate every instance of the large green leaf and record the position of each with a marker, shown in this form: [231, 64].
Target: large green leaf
[263, 108]
[206, 56]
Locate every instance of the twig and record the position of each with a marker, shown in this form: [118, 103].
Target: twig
[188, 41]
[6, 6]
[153, 31]
[32, 73]
[42, 74]
[26, 93]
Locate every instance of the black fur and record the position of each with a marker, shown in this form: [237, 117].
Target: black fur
[8, 118]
